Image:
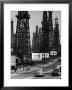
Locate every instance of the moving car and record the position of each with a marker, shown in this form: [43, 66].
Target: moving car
[57, 71]
[39, 73]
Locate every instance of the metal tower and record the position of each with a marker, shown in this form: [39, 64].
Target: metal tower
[35, 41]
[12, 33]
[22, 41]
[12, 37]
[51, 32]
[45, 32]
[57, 37]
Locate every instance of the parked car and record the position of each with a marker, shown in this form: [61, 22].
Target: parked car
[57, 71]
[39, 73]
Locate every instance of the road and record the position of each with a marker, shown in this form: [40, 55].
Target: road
[29, 72]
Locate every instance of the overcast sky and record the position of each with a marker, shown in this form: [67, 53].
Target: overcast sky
[35, 19]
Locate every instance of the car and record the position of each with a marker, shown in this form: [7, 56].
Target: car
[28, 68]
[57, 71]
[39, 73]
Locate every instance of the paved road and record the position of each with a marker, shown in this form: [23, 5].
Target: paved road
[29, 72]
[21, 76]
[31, 76]
[48, 76]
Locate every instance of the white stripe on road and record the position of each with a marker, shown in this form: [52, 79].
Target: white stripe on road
[14, 74]
[31, 77]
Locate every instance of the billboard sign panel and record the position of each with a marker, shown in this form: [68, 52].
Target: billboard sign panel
[36, 56]
[46, 55]
[53, 53]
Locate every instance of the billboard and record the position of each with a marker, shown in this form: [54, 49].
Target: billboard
[53, 52]
[45, 55]
[37, 56]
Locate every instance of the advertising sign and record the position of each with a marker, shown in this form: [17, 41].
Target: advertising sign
[46, 55]
[36, 56]
[53, 53]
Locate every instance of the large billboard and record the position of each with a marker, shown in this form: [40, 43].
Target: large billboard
[36, 56]
[39, 56]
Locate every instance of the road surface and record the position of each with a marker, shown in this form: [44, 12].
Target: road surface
[29, 72]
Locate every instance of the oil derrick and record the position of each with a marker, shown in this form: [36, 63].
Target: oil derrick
[40, 39]
[57, 38]
[35, 41]
[12, 33]
[22, 40]
[45, 33]
[12, 37]
[51, 32]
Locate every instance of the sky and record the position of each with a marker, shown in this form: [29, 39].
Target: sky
[36, 19]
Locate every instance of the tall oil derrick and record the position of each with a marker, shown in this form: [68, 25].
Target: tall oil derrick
[12, 33]
[35, 41]
[45, 33]
[57, 37]
[12, 37]
[22, 41]
[51, 32]
[40, 39]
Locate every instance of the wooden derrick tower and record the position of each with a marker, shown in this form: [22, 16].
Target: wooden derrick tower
[45, 33]
[51, 32]
[57, 37]
[22, 40]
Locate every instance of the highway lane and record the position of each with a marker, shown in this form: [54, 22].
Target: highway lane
[29, 72]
